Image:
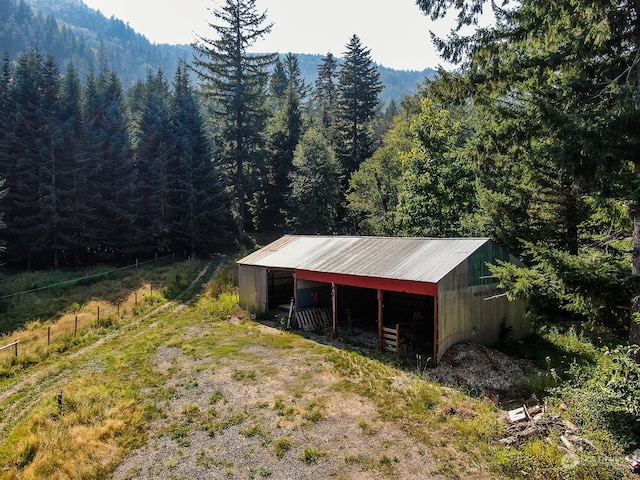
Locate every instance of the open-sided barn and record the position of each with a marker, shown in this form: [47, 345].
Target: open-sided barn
[432, 292]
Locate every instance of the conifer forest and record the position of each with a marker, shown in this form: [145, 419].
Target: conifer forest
[533, 140]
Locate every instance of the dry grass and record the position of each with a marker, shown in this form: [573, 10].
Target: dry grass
[200, 391]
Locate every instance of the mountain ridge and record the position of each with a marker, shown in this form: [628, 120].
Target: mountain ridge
[90, 40]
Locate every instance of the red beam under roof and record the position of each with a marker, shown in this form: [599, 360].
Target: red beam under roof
[387, 284]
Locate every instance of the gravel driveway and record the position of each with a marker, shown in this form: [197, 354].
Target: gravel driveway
[259, 414]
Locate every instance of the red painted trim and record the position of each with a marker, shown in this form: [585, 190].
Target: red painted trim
[388, 284]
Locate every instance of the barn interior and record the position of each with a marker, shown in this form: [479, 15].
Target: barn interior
[357, 310]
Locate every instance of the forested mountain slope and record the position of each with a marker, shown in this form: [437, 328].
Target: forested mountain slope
[72, 31]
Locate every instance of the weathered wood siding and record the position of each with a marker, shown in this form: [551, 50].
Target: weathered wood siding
[464, 314]
[253, 291]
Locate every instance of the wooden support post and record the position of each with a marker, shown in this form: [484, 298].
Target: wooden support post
[75, 327]
[16, 345]
[98, 314]
[334, 308]
[435, 331]
[49, 335]
[380, 320]
[135, 298]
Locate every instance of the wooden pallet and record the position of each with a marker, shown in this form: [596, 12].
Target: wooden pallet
[310, 319]
[391, 338]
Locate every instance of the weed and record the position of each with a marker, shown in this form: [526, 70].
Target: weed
[240, 375]
[216, 397]
[314, 411]
[254, 431]
[192, 411]
[366, 427]
[259, 472]
[179, 432]
[311, 455]
[282, 409]
[281, 446]
[235, 419]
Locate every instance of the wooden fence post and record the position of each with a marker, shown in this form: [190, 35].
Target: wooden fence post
[49, 335]
[98, 314]
[75, 327]
[16, 349]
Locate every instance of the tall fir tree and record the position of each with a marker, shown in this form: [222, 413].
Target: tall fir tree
[73, 186]
[156, 164]
[325, 95]
[282, 136]
[110, 169]
[235, 80]
[357, 104]
[6, 120]
[199, 201]
[33, 146]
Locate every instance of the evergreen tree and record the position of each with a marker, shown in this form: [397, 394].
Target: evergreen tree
[110, 168]
[198, 194]
[283, 134]
[357, 104]
[315, 186]
[559, 83]
[325, 95]
[33, 149]
[277, 84]
[236, 80]
[72, 179]
[6, 121]
[156, 164]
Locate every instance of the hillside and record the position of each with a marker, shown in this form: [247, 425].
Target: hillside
[72, 31]
[177, 382]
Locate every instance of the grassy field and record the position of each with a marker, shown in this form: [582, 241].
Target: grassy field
[180, 383]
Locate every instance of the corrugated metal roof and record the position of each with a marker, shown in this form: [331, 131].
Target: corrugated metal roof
[401, 258]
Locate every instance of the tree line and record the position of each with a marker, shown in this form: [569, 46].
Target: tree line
[532, 142]
[93, 172]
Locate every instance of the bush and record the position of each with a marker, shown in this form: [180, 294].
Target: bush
[604, 397]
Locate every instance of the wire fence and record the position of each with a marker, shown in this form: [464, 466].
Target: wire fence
[87, 277]
[38, 340]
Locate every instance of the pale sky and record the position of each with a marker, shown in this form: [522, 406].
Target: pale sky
[396, 31]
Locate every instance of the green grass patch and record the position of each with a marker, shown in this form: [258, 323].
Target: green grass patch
[281, 446]
[311, 455]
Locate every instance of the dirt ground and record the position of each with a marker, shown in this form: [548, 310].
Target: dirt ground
[269, 418]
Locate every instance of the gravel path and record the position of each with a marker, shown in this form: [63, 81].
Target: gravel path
[260, 416]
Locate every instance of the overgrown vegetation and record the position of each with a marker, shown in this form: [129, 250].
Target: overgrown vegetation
[96, 403]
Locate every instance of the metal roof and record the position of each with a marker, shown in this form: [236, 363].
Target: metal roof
[399, 258]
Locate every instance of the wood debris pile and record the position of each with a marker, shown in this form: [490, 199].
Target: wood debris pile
[634, 461]
[535, 422]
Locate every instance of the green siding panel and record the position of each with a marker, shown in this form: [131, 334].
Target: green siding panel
[479, 272]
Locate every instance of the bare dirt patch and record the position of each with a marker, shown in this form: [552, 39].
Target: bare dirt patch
[261, 414]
